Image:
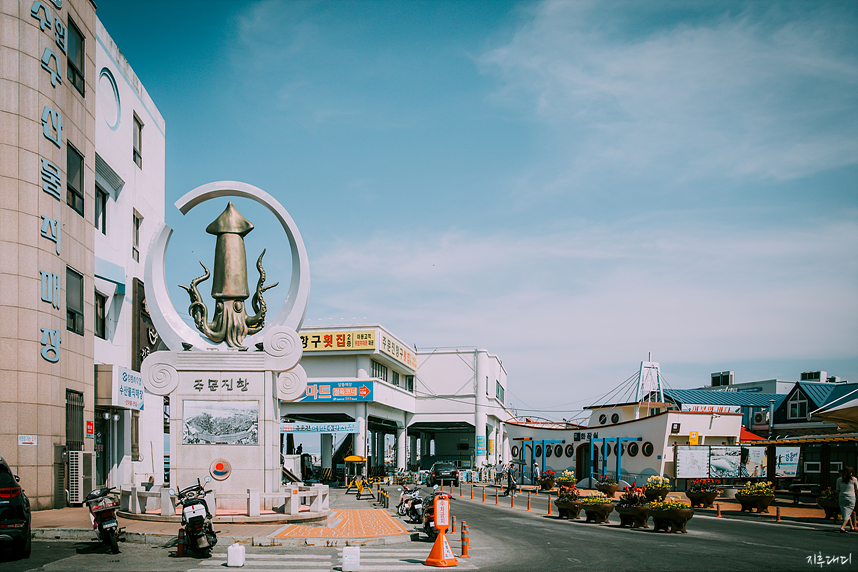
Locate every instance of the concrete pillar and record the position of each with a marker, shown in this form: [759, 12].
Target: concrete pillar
[412, 457]
[327, 450]
[480, 417]
[400, 449]
[363, 367]
[360, 437]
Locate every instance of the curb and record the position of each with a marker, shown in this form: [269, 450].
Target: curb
[167, 540]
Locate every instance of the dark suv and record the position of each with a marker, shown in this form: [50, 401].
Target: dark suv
[14, 512]
[443, 472]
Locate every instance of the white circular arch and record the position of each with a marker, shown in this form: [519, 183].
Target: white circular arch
[172, 329]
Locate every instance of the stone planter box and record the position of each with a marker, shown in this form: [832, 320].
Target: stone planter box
[831, 508]
[633, 516]
[568, 509]
[598, 513]
[702, 499]
[546, 484]
[760, 503]
[608, 489]
[656, 494]
[671, 520]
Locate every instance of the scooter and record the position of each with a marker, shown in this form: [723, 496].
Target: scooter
[429, 512]
[406, 496]
[196, 518]
[415, 508]
[102, 504]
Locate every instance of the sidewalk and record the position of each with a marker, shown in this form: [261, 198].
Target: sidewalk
[352, 523]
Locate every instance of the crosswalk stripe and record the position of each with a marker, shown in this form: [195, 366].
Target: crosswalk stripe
[246, 569]
[404, 566]
[275, 563]
[270, 556]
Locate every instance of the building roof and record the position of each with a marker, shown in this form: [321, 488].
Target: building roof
[745, 435]
[837, 438]
[741, 398]
[817, 392]
[838, 395]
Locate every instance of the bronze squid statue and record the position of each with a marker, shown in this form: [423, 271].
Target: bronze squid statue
[229, 287]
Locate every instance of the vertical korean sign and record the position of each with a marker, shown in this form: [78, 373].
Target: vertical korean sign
[50, 174]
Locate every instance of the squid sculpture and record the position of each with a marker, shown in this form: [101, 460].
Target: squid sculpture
[229, 287]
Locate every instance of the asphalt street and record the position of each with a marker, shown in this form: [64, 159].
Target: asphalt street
[511, 539]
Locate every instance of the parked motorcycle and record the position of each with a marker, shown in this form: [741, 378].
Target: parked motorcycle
[196, 518]
[429, 511]
[406, 498]
[102, 504]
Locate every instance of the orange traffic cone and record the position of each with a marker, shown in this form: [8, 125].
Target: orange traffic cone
[441, 554]
[180, 547]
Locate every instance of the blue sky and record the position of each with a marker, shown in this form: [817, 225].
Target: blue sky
[569, 185]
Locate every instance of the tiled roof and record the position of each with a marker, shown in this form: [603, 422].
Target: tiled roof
[741, 398]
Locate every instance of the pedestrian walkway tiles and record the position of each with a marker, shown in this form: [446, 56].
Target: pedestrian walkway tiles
[353, 523]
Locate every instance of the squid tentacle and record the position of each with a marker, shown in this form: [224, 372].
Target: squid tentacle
[257, 322]
[199, 312]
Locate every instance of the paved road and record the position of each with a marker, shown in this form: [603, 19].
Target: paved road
[519, 540]
[505, 539]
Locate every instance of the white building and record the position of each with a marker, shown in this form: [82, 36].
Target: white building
[441, 404]
[640, 433]
[129, 207]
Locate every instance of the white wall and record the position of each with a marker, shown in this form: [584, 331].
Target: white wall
[143, 192]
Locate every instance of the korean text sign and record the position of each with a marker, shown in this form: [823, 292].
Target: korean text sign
[127, 389]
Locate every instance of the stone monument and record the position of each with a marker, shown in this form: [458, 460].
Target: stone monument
[225, 380]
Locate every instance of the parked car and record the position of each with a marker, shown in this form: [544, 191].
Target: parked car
[443, 473]
[14, 513]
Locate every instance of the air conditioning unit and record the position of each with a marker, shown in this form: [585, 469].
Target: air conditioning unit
[81, 475]
[761, 418]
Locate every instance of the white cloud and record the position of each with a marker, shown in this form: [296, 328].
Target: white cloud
[745, 95]
[601, 297]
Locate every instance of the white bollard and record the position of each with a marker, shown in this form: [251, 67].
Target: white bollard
[351, 558]
[235, 555]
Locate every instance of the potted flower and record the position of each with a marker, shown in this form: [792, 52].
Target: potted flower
[597, 507]
[703, 492]
[546, 483]
[669, 515]
[566, 479]
[829, 501]
[756, 496]
[568, 502]
[657, 488]
[632, 507]
[607, 484]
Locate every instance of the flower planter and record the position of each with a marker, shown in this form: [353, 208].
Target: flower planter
[831, 508]
[546, 484]
[701, 499]
[671, 520]
[608, 489]
[761, 503]
[598, 513]
[656, 494]
[633, 516]
[568, 509]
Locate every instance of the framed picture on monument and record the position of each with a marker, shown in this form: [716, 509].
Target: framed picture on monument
[220, 423]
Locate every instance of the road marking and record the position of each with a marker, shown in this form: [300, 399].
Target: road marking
[762, 522]
[272, 556]
[246, 569]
